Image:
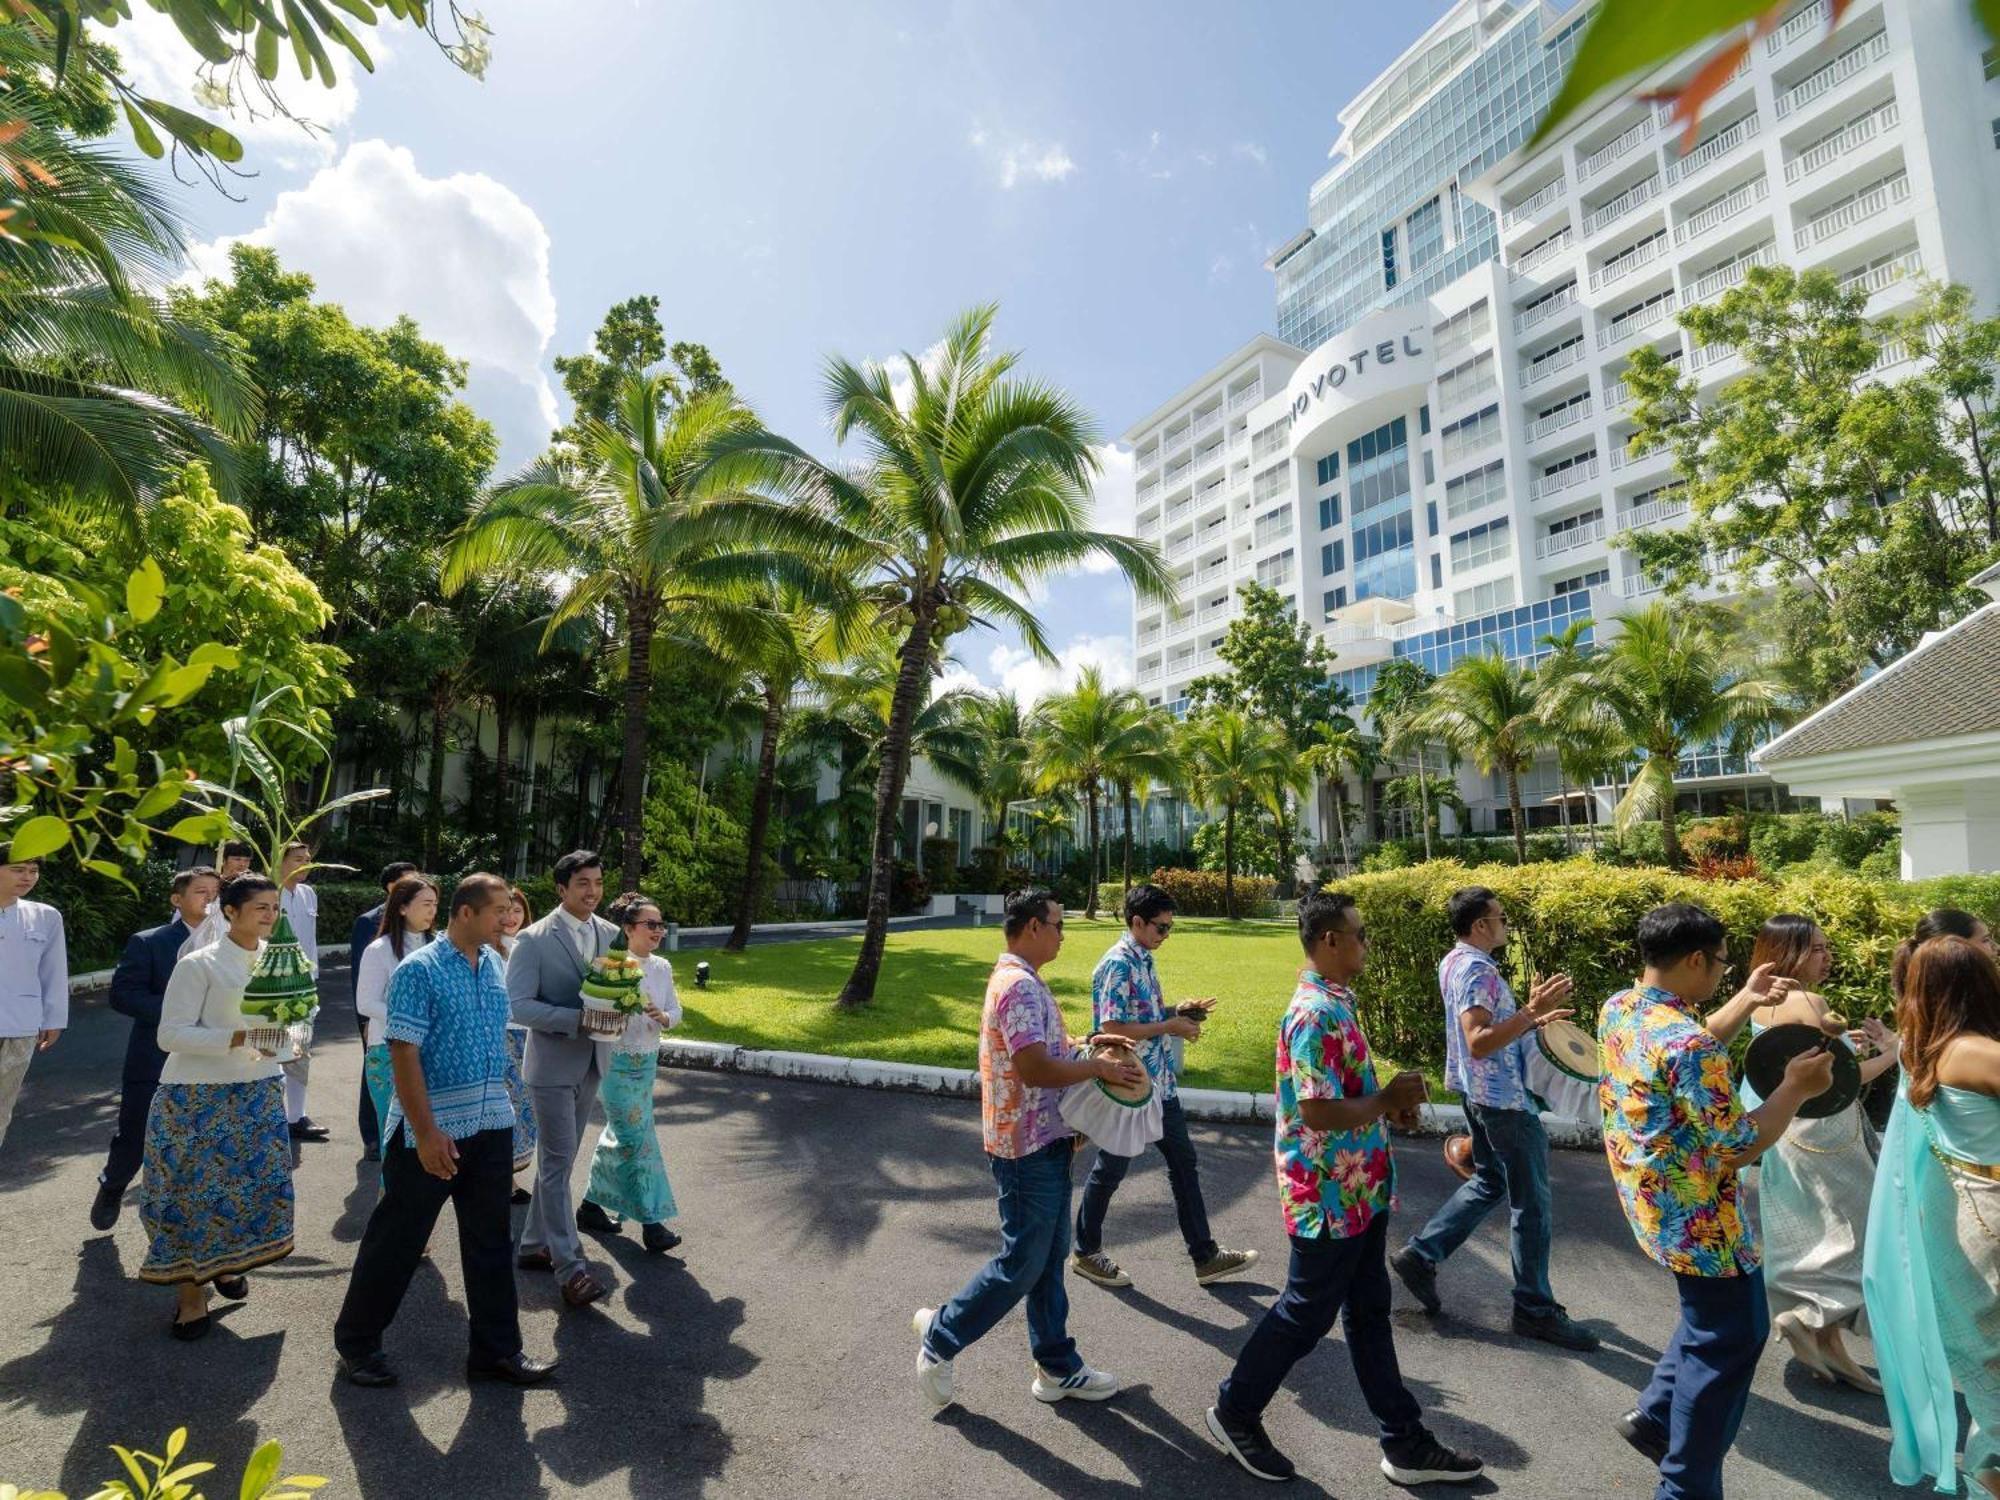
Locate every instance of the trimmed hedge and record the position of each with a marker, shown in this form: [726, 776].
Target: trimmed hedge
[1578, 918]
[1198, 893]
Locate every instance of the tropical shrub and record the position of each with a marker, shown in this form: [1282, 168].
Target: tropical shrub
[1725, 867]
[1199, 893]
[941, 864]
[1256, 846]
[1578, 918]
[172, 1480]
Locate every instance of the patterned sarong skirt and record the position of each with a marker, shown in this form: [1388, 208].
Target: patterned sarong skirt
[217, 1190]
[627, 1173]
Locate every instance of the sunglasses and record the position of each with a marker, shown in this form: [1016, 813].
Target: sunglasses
[651, 925]
[1164, 929]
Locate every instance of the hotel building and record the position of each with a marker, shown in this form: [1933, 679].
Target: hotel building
[1431, 456]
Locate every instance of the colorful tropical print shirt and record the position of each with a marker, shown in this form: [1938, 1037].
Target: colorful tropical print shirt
[1019, 1012]
[1469, 978]
[1126, 987]
[1330, 1182]
[1670, 1118]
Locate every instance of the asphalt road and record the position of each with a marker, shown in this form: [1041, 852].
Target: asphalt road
[772, 1356]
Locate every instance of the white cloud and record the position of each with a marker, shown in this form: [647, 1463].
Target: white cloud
[1113, 500]
[1019, 159]
[463, 255]
[159, 63]
[1251, 151]
[1015, 669]
[1221, 268]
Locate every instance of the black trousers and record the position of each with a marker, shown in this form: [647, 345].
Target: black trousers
[400, 1227]
[128, 1143]
[371, 1128]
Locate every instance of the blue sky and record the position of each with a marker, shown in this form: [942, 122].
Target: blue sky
[794, 179]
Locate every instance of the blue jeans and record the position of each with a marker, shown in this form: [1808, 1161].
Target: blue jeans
[1510, 1162]
[1034, 1244]
[1329, 1278]
[1702, 1382]
[1183, 1176]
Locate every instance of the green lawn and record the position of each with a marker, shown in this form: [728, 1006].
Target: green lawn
[926, 1009]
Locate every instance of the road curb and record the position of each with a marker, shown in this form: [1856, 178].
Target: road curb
[1220, 1106]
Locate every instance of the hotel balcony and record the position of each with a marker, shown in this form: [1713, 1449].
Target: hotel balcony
[1816, 86]
[1859, 209]
[1557, 543]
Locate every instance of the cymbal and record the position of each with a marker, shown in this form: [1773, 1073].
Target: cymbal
[1770, 1050]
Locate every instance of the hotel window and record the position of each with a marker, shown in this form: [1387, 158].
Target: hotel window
[1332, 558]
[1378, 467]
[1425, 228]
[1437, 571]
[1389, 257]
[1329, 511]
[1466, 382]
[1481, 545]
[1424, 419]
[1431, 517]
[1469, 492]
[1328, 468]
[1482, 599]
[1581, 582]
[1461, 328]
[1570, 523]
[1469, 434]
[1276, 571]
[1332, 600]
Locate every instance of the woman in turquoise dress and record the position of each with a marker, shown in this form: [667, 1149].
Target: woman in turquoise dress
[1932, 1276]
[1813, 1187]
[407, 919]
[628, 1176]
[518, 915]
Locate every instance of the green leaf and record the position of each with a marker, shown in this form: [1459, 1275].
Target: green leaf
[213, 654]
[183, 683]
[142, 133]
[268, 38]
[176, 1441]
[63, 655]
[193, 21]
[261, 1470]
[38, 836]
[1631, 36]
[124, 759]
[201, 828]
[163, 798]
[194, 132]
[22, 681]
[145, 591]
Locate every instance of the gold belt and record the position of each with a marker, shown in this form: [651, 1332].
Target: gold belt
[1990, 1171]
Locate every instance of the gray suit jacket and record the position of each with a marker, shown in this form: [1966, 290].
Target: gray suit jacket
[544, 975]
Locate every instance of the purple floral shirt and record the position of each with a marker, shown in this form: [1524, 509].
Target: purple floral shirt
[1019, 1012]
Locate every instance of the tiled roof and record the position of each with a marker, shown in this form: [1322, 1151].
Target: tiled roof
[1949, 685]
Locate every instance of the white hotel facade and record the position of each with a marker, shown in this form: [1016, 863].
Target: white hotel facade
[1431, 457]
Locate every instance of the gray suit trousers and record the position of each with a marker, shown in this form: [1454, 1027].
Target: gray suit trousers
[562, 1112]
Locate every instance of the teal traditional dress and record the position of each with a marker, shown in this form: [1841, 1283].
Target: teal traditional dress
[371, 1001]
[1933, 1283]
[628, 1175]
[525, 1134]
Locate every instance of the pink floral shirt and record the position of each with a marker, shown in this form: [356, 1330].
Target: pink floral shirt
[1019, 1012]
[1330, 1182]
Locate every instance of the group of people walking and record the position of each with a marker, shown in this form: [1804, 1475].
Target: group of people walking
[1913, 1247]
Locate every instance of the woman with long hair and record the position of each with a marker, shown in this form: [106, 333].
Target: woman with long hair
[217, 1194]
[518, 915]
[1813, 1186]
[1933, 1272]
[408, 917]
[1941, 921]
[628, 1176]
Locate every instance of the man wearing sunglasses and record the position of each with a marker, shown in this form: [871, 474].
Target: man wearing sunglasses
[1126, 1000]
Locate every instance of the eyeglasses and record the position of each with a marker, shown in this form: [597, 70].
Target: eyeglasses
[651, 925]
[1055, 922]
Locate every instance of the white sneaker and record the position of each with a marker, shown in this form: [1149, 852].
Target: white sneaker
[933, 1374]
[1086, 1385]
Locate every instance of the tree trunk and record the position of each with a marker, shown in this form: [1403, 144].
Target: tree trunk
[434, 773]
[1340, 812]
[1229, 862]
[1562, 788]
[632, 775]
[915, 654]
[1090, 900]
[1670, 833]
[1281, 816]
[1424, 801]
[1125, 790]
[502, 743]
[760, 819]
[1518, 815]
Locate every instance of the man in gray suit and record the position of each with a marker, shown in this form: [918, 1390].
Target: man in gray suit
[568, 1052]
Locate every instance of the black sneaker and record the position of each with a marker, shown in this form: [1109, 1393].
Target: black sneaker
[1556, 1328]
[104, 1208]
[1424, 1460]
[1246, 1443]
[1419, 1275]
[1644, 1434]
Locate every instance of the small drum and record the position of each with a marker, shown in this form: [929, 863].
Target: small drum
[1122, 1120]
[1773, 1048]
[1458, 1156]
[1562, 1067]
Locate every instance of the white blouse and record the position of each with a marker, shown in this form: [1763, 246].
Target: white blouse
[202, 1009]
[505, 948]
[642, 1032]
[371, 981]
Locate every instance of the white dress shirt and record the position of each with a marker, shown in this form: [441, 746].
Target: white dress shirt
[642, 1032]
[207, 932]
[301, 904]
[371, 984]
[582, 934]
[34, 969]
[202, 1010]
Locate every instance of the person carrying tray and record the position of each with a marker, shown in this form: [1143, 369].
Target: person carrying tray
[1487, 1038]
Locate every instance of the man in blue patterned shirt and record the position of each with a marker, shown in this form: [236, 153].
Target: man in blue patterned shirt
[449, 1135]
[1125, 999]
[1486, 1042]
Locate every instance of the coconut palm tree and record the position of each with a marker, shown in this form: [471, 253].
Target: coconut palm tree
[971, 484]
[1580, 746]
[638, 527]
[1396, 706]
[1091, 739]
[1146, 759]
[1231, 759]
[1669, 682]
[999, 769]
[1331, 756]
[1484, 707]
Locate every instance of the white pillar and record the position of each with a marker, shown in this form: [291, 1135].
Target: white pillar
[1950, 829]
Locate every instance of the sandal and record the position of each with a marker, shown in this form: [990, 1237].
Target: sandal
[235, 1288]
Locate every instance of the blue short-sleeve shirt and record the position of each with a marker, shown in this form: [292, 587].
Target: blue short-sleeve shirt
[456, 1015]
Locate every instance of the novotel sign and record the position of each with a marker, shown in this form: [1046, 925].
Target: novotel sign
[1383, 356]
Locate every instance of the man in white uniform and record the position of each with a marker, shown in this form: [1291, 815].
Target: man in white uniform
[34, 980]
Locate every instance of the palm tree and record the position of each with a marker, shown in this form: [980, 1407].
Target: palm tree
[967, 492]
[1564, 711]
[105, 392]
[1337, 751]
[1231, 759]
[998, 772]
[638, 527]
[1146, 759]
[1484, 707]
[1401, 693]
[1092, 739]
[1668, 683]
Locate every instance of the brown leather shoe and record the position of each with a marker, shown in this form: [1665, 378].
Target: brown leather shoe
[535, 1260]
[582, 1289]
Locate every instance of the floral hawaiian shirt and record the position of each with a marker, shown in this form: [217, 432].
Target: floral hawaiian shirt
[1330, 1182]
[1019, 1012]
[1126, 987]
[1469, 978]
[1670, 1119]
